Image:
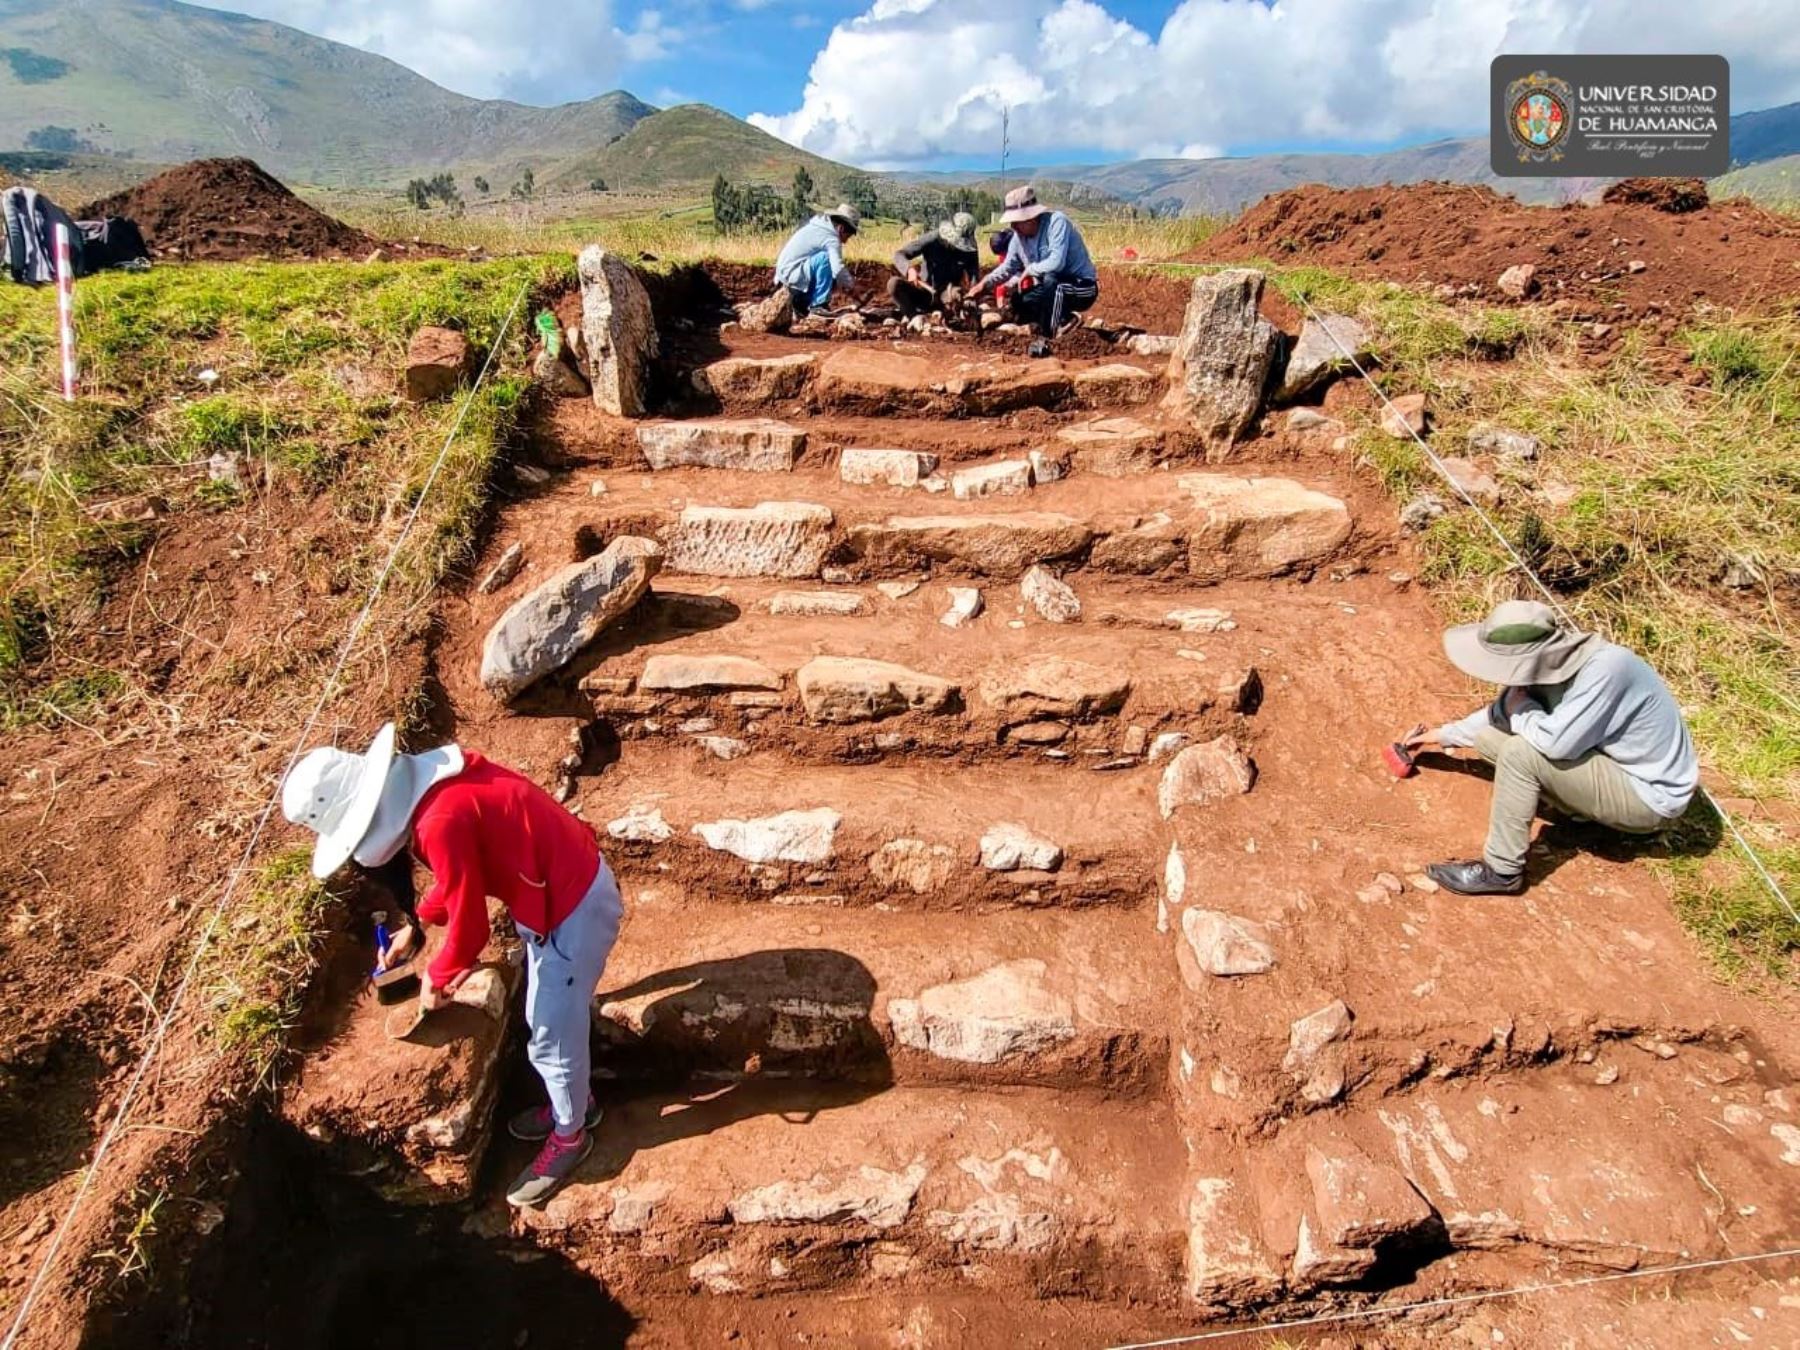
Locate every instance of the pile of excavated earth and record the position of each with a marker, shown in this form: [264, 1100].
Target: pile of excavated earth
[1650, 245]
[1017, 906]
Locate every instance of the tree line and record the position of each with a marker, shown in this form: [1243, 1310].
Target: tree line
[756, 208]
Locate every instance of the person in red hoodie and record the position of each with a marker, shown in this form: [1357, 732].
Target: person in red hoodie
[482, 830]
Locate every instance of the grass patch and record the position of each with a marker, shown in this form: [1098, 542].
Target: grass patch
[268, 365]
[261, 958]
[1648, 493]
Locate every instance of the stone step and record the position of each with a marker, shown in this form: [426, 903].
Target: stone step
[886, 380]
[1071, 1000]
[1208, 526]
[769, 1186]
[840, 672]
[902, 836]
[1569, 1167]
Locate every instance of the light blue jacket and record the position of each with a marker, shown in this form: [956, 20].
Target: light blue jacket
[1056, 250]
[818, 233]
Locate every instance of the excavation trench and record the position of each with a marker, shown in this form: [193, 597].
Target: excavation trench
[973, 957]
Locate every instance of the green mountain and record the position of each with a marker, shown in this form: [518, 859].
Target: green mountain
[691, 144]
[163, 81]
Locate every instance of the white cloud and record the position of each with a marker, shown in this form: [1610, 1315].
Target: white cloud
[538, 50]
[649, 39]
[911, 79]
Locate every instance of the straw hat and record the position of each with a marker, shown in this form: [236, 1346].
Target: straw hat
[1022, 204]
[848, 215]
[362, 806]
[1522, 643]
[959, 231]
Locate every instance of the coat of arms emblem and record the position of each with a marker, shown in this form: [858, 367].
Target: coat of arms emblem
[1540, 110]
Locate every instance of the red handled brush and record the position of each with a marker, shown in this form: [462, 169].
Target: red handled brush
[1398, 758]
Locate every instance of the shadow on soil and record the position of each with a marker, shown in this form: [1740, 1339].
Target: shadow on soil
[1694, 835]
[311, 1261]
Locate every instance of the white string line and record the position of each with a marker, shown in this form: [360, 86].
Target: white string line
[167, 1019]
[1725, 816]
[1454, 1300]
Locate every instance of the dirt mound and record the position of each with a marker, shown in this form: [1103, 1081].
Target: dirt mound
[223, 210]
[1674, 195]
[1441, 234]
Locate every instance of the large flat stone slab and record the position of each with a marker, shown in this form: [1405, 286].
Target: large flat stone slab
[1258, 527]
[886, 468]
[758, 379]
[1002, 1013]
[770, 539]
[1054, 687]
[546, 628]
[684, 673]
[878, 380]
[1116, 384]
[843, 689]
[990, 545]
[758, 445]
[1113, 447]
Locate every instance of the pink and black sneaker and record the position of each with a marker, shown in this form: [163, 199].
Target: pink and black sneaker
[555, 1163]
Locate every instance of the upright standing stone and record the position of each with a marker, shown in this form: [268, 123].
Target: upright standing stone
[1221, 361]
[618, 331]
[1327, 348]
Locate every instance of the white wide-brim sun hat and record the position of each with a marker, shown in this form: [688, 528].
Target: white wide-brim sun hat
[362, 806]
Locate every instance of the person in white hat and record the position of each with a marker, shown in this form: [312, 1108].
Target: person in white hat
[1057, 280]
[811, 264]
[1580, 722]
[483, 830]
[934, 269]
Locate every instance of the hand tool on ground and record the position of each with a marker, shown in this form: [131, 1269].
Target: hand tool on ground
[1398, 755]
[403, 1022]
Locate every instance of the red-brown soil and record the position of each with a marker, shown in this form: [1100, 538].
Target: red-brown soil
[1439, 234]
[223, 210]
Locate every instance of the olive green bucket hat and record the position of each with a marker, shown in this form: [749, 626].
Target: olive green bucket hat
[1521, 643]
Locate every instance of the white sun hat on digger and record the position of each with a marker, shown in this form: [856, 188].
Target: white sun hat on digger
[361, 806]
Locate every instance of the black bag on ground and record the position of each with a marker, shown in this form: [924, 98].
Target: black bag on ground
[113, 242]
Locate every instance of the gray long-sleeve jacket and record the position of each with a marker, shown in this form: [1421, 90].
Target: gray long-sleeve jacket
[1615, 704]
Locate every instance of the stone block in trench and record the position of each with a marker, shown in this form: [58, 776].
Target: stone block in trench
[987, 388]
[1259, 527]
[1323, 351]
[1202, 774]
[913, 865]
[1051, 596]
[414, 1117]
[755, 445]
[1227, 1265]
[547, 627]
[1143, 550]
[888, 468]
[991, 545]
[1221, 362]
[871, 1195]
[770, 539]
[1113, 447]
[1005, 1012]
[1361, 1202]
[791, 836]
[1223, 945]
[1316, 1056]
[751, 379]
[1003, 478]
[1008, 847]
[618, 331]
[679, 673]
[1053, 687]
[818, 604]
[1116, 383]
[842, 689]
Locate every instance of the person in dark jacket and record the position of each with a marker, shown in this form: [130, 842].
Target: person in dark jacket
[935, 269]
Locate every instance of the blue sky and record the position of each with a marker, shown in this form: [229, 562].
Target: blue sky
[893, 83]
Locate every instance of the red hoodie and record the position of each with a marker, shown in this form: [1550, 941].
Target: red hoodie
[491, 831]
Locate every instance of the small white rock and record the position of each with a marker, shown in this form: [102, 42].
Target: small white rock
[965, 606]
[1011, 848]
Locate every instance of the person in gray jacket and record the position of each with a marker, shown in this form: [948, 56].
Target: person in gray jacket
[1580, 723]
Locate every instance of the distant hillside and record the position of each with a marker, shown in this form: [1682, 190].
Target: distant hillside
[691, 144]
[165, 81]
[1774, 183]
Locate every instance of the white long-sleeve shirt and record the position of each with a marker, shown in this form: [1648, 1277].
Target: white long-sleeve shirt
[1615, 704]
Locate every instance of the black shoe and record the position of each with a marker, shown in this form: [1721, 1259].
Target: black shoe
[1475, 878]
[1038, 348]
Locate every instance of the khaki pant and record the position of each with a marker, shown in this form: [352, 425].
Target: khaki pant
[1592, 787]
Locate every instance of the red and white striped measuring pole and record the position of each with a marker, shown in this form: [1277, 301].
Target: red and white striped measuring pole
[65, 310]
